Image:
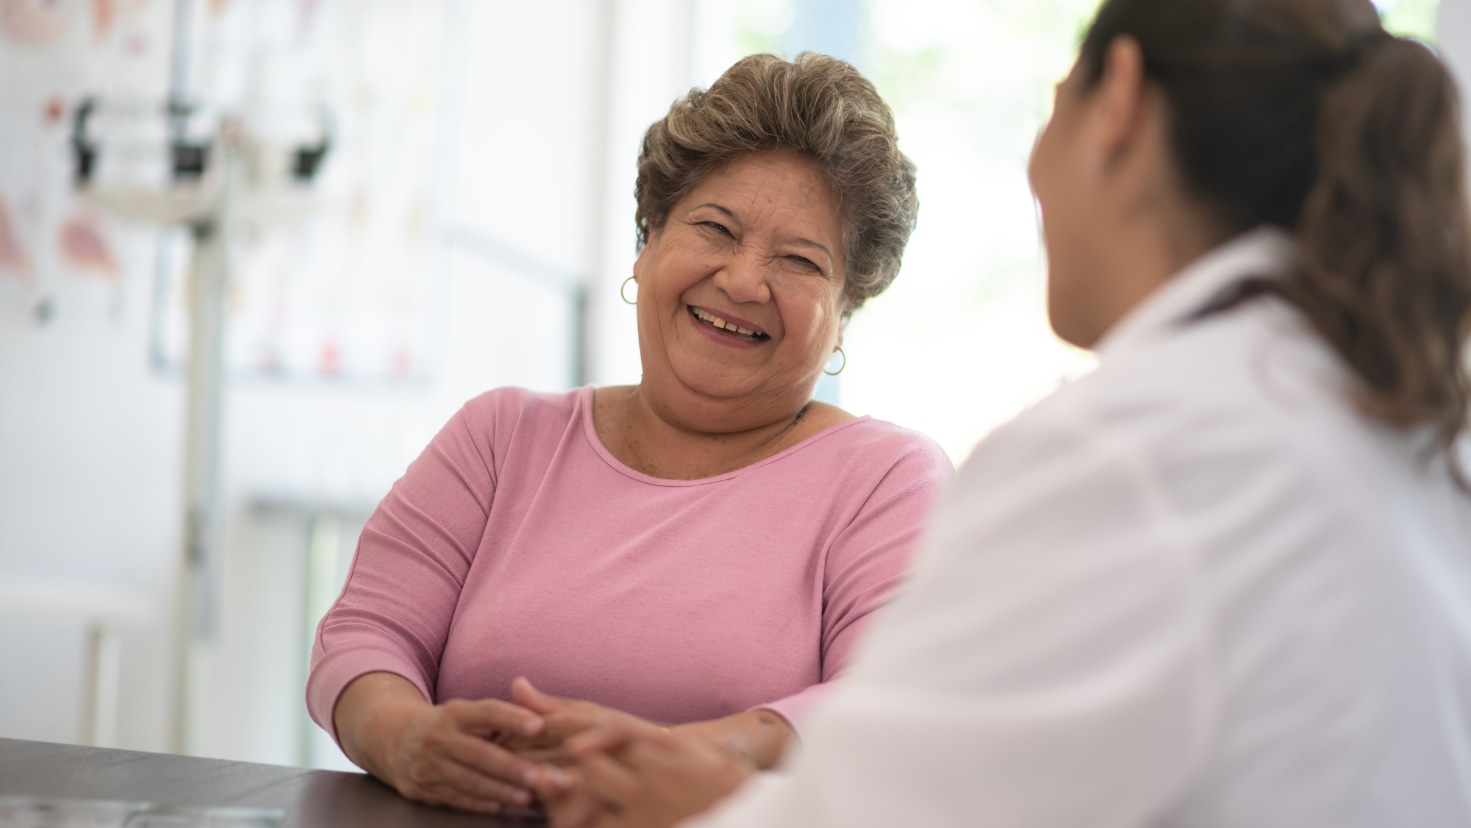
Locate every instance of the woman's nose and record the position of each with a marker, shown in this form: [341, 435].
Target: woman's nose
[745, 279]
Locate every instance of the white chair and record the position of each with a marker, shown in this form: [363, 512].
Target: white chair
[103, 610]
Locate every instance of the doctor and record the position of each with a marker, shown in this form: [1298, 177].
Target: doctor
[1224, 580]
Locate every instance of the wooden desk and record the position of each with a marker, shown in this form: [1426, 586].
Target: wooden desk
[310, 798]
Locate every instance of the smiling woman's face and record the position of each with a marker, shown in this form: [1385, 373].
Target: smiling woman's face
[740, 292]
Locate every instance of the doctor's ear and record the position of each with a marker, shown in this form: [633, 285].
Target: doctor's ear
[1121, 104]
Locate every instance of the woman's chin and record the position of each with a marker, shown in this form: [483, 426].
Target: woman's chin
[718, 390]
[729, 402]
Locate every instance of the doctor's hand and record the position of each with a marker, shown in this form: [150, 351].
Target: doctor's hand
[446, 754]
[636, 775]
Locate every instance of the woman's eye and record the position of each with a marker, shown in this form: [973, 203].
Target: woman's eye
[717, 227]
[803, 261]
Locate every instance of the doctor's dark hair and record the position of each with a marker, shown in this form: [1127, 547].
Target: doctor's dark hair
[1307, 115]
[815, 105]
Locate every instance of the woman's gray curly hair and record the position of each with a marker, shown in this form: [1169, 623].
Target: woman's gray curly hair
[816, 105]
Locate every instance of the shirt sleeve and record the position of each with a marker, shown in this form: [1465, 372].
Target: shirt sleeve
[1046, 666]
[412, 559]
[869, 560]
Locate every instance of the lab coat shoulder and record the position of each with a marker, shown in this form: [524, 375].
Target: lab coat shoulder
[1055, 628]
[1065, 506]
[1221, 416]
[1253, 377]
[1244, 424]
[1126, 452]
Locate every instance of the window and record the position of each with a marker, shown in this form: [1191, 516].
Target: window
[960, 343]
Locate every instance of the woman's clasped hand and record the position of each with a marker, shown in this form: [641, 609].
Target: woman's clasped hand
[630, 774]
[449, 754]
[453, 754]
[487, 755]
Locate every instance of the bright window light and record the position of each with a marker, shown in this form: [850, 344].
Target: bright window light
[960, 343]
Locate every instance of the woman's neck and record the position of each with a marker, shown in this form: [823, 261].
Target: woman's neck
[648, 438]
[1144, 254]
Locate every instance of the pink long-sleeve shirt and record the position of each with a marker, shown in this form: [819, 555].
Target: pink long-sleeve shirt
[516, 544]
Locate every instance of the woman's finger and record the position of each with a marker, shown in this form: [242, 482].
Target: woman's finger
[526, 695]
[568, 803]
[610, 734]
[436, 784]
[443, 759]
[486, 757]
[554, 755]
[489, 717]
[597, 740]
[438, 778]
[451, 798]
[474, 783]
[552, 782]
[608, 780]
[557, 728]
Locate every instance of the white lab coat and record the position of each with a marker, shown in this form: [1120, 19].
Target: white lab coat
[1194, 588]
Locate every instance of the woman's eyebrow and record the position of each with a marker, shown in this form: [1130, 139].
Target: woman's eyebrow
[810, 243]
[714, 206]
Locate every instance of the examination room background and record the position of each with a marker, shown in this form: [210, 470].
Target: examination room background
[469, 229]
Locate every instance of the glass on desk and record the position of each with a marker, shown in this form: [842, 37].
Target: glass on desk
[40, 812]
[204, 818]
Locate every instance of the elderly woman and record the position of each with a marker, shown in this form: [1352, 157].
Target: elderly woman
[700, 550]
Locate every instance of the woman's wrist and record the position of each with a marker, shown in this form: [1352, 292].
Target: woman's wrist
[758, 738]
[371, 714]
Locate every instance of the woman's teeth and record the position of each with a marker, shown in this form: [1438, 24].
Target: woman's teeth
[715, 321]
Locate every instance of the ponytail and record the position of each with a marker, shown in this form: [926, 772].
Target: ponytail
[1307, 115]
[1385, 237]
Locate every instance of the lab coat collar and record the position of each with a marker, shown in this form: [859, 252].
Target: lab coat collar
[1265, 251]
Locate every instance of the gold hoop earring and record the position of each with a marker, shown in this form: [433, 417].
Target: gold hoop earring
[841, 369]
[623, 287]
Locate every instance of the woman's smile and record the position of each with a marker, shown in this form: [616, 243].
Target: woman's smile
[727, 330]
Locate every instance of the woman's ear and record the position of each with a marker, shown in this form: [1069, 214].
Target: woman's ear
[643, 252]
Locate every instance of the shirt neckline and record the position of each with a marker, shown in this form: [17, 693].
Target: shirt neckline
[584, 402]
[1264, 252]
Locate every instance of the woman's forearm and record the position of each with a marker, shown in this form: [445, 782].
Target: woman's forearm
[759, 737]
[370, 710]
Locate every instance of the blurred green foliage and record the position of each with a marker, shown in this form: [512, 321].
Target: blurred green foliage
[1410, 18]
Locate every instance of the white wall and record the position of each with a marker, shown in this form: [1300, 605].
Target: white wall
[650, 65]
[90, 466]
[1453, 38]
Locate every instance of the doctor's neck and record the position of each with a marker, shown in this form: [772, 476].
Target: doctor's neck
[1149, 248]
